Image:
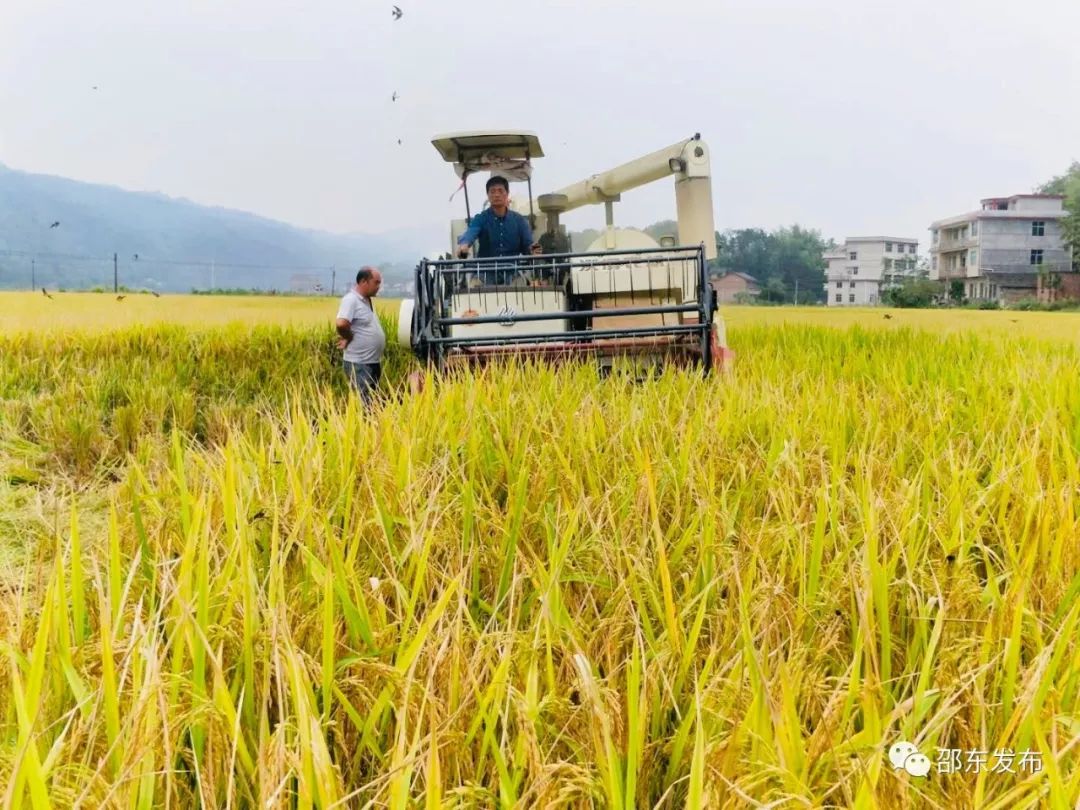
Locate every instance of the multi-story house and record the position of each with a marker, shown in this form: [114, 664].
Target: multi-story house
[1000, 251]
[865, 266]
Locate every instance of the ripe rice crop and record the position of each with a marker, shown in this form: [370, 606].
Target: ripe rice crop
[227, 586]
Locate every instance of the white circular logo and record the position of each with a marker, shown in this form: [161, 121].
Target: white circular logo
[900, 751]
[905, 755]
[917, 765]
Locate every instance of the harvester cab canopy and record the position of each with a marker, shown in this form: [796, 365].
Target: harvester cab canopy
[507, 154]
[487, 151]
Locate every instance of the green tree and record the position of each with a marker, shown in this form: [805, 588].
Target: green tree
[773, 291]
[917, 293]
[1068, 184]
[790, 256]
[956, 291]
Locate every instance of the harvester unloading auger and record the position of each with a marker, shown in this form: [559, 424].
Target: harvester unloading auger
[626, 296]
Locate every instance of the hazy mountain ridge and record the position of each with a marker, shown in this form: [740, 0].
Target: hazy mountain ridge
[176, 241]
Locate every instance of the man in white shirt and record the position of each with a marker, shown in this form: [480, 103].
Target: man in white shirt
[361, 334]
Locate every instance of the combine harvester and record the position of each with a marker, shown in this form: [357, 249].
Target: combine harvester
[626, 300]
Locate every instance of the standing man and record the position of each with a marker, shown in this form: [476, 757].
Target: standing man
[361, 334]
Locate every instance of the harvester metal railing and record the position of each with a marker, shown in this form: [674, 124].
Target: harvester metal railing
[439, 281]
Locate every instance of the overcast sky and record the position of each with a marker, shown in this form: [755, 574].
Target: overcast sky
[850, 116]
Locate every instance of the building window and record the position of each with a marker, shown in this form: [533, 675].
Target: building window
[972, 257]
[853, 285]
[975, 228]
[839, 298]
[934, 235]
[913, 249]
[888, 247]
[854, 271]
[888, 263]
[1038, 228]
[839, 285]
[1036, 257]
[853, 256]
[851, 299]
[933, 262]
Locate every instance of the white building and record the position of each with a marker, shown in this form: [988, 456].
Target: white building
[858, 273]
[999, 250]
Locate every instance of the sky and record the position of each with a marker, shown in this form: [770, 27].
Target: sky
[853, 117]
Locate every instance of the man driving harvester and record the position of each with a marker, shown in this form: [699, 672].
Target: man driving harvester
[501, 232]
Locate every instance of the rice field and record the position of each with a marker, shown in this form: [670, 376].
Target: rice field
[224, 585]
[101, 311]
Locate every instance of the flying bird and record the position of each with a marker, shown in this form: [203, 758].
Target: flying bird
[136, 257]
[55, 224]
[121, 297]
[399, 141]
[394, 97]
[45, 293]
[397, 13]
[155, 294]
[887, 316]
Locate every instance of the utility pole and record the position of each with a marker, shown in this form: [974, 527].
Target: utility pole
[333, 280]
[796, 292]
[33, 275]
[115, 275]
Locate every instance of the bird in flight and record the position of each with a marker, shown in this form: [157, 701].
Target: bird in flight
[397, 13]
[136, 257]
[887, 316]
[121, 297]
[399, 141]
[394, 97]
[155, 294]
[55, 225]
[45, 293]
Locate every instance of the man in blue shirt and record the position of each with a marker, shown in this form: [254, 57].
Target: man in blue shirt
[501, 232]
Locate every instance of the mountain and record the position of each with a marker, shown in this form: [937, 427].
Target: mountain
[169, 243]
